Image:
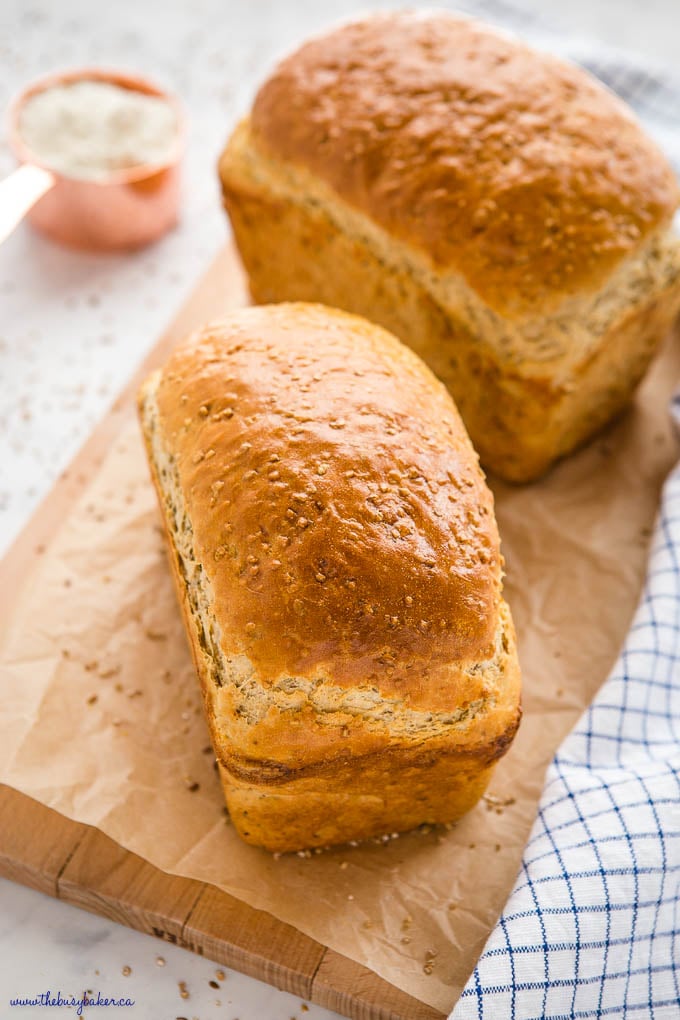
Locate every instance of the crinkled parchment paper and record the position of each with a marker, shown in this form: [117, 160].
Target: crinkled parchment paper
[100, 716]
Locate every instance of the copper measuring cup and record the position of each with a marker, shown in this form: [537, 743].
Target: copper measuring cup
[125, 209]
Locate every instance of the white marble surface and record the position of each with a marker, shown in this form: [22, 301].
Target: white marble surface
[72, 329]
[46, 945]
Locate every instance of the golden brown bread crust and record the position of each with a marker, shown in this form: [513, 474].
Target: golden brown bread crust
[335, 494]
[332, 731]
[508, 166]
[519, 423]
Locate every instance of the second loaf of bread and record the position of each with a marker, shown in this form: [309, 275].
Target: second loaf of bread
[498, 209]
[337, 560]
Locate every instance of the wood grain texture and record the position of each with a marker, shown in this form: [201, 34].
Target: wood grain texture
[347, 987]
[44, 850]
[233, 933]
[35, 843]
[102, 877]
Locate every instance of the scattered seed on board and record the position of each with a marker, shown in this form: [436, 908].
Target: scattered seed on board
[127, 971]
[430, 955]
[160, 962]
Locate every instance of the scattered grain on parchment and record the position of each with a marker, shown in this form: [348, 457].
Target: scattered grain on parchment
[155, 635]
[430, 957]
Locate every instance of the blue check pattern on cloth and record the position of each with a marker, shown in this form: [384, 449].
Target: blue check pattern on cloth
[592, 925]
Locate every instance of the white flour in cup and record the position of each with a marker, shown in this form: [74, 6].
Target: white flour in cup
[90, 129]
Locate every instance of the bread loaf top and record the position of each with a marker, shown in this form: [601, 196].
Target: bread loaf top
[510, 167]
[334, 502]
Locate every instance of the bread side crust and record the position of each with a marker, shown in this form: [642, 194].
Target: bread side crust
[282, 807]
[379, 798]
[522, 412]
[531, 345]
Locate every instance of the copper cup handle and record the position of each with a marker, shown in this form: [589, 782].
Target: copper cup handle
[19, 192]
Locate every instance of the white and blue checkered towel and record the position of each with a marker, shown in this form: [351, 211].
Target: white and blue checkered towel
[592, 926]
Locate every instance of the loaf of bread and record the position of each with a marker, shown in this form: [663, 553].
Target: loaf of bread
[337, 561]
[497, 209]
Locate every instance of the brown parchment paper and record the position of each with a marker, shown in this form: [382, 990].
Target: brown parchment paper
[100, 716]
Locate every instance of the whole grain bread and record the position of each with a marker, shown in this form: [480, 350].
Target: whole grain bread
[498, 209]
[337, 560]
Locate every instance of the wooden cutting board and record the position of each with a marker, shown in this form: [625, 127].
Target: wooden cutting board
[79, 864]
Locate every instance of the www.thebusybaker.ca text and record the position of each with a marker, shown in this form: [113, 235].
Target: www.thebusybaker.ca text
[87, 999]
